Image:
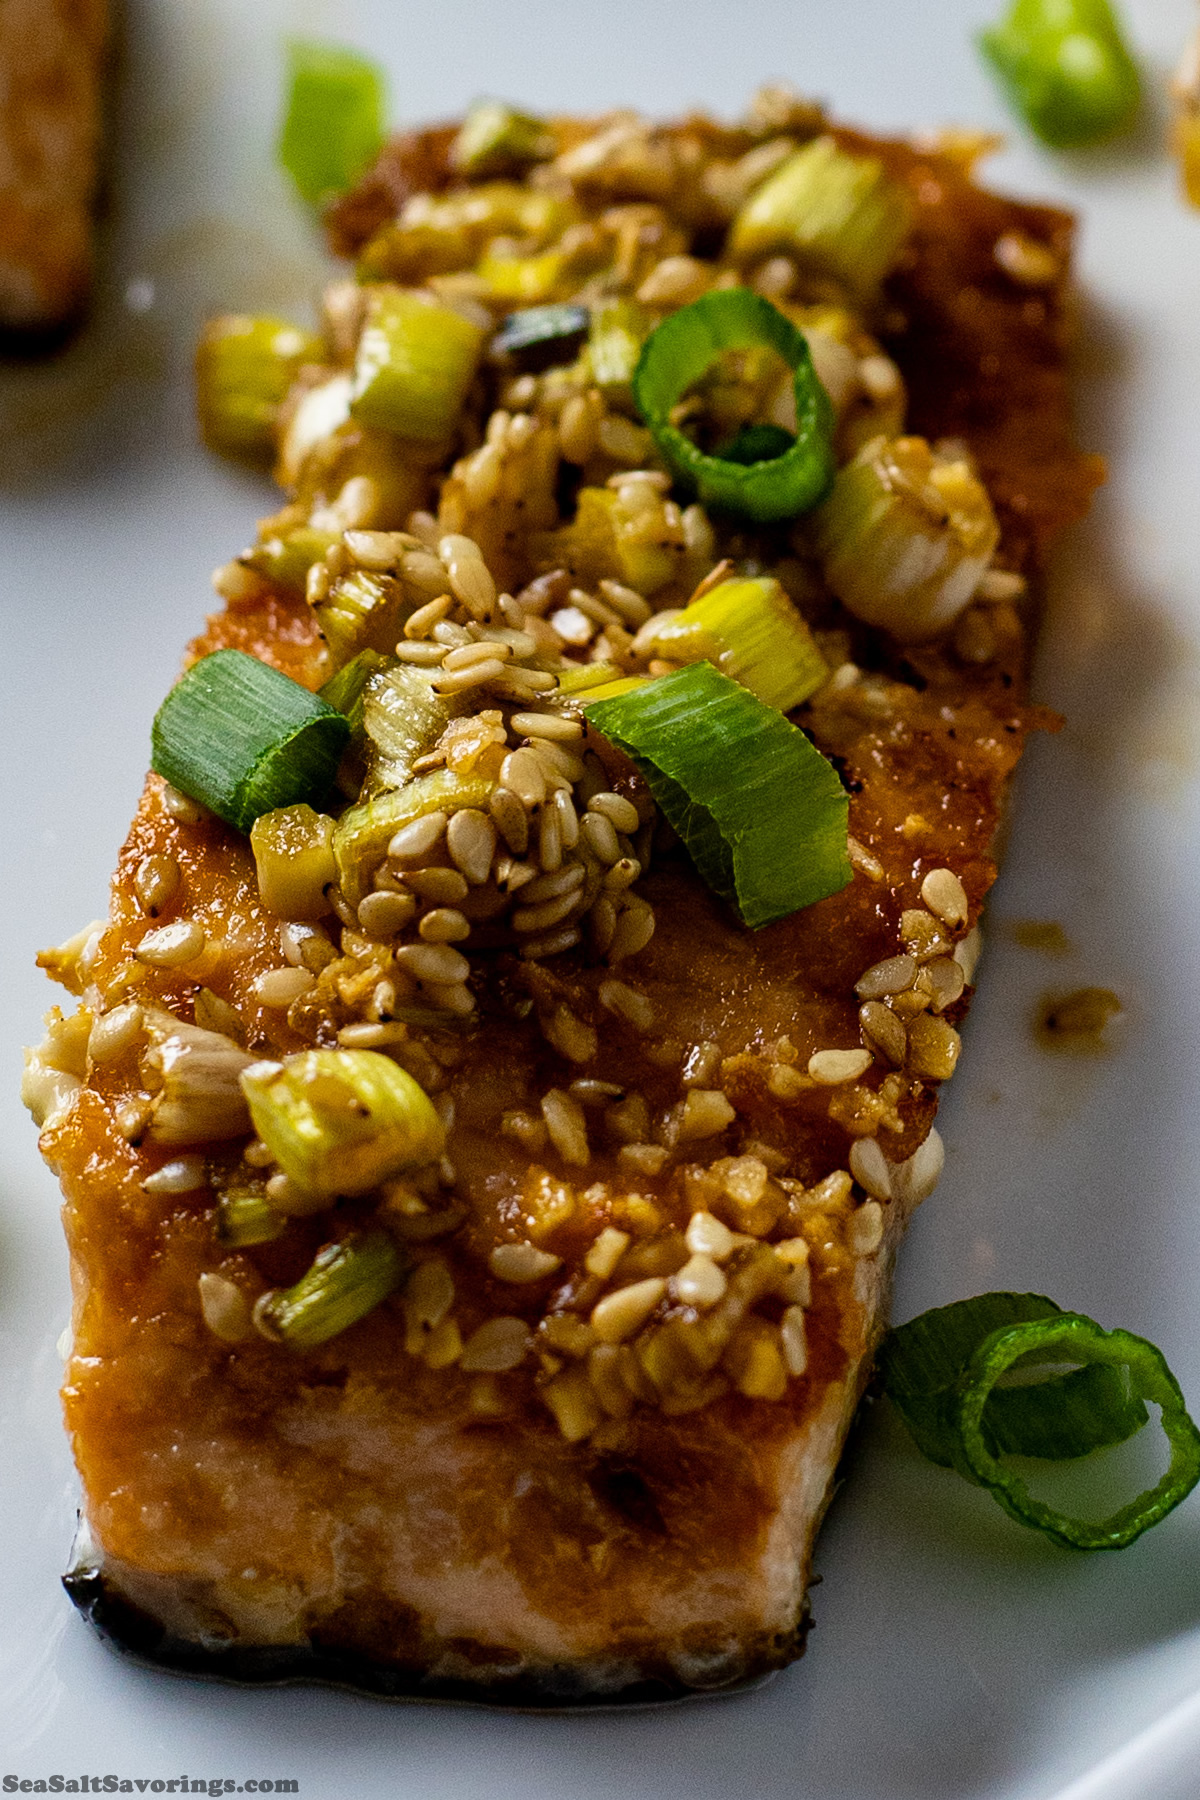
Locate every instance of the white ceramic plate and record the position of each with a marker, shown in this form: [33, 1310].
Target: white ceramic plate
[955, 1657]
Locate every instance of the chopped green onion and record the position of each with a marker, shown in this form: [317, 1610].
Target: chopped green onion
[243, 739]
[760, 811]
[244, 368]
[416, 359]
[679, 352]
[495, 139]
[578, 676]
[244, 1218]
[756, 443]
[293, 857]
[750, 630]
[342, 1121]
[905, 536]
[344, 691]
[608, 537]
[345, 1282]
[333, 123]
[619, 329]
[362, 610]
[286, 559]
[364, 831]
[524, 278]
[403, 718]
[941, 1372]
[539, 337]
[834, 213]
[1065, 68]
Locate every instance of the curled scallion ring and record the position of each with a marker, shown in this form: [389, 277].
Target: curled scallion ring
[679, 352]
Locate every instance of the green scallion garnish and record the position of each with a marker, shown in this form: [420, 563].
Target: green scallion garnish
[1065, 67]
[941, 1371]
[761, 812]
[750, 630]
[345, 1282]
[333, 123]
[243, 739]
[538, 337]
[681, 350]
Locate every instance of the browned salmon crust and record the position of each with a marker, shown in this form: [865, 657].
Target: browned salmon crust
[347, 1515]
[52, 62]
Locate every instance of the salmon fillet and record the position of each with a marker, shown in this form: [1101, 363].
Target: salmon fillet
[372, 1512]
[52, 60]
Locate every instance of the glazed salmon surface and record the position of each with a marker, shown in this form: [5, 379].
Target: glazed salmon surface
[353, 1511]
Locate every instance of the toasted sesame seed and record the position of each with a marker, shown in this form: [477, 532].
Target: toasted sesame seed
[947, 980]
[863, 861]
[880, 377]
[497, 1345]
[277, 988]
[171, 946]
[510, 819]
[182, 1175]
[466, 656]
[622, 812]
[413, 843]
[441, 887]
[553, 945]
[224, 1307]
[470, 579]
[519, 1263]
[523, 774]
[707, 1236]
[864, 1232]
[620, 1314]
[549, 887]
[115, 1032]
[793, 1337]
[869, 1167]
[364, 1035]
[699, 1283]
[589, 1092]
[915, 1179]
[383, 914]
[549, 840]
[422, 655]
[568, 818]
[471, 841]
[550, 912]
[623, 874]
[444, 925]
[570, 1035]
[922, 934]
[606, 1252]
[944, 894]
[599, 834]
[968, 951]
[832, 1067]
[433, 962]
[567, 1126]
[635, 1008]
[551, 727]
[883, 1033]
[634, 929]
[892, 976]
[459, 681]
[182, 808]
[634, 610]
[570, 1399]
[449, 996]
[155, 883]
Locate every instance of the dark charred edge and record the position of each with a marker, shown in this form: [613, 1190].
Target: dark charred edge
[135, 1634]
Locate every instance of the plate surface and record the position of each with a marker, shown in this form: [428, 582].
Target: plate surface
[954, 1655]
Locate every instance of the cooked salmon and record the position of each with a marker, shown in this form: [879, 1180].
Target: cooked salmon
[582, 1450]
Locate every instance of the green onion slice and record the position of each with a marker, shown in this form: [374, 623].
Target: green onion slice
[537, 337]
[243, 739]
[346, 1281]
[1065, 68]
[760, 811]
[333, 121]
[677, 354]
[941, 1372]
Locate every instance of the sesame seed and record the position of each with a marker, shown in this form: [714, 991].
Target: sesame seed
[567, 1126]
[224, 1308]
[182, 1175]
[706, 1111]
[115, 1032]
[892, 976]
[619, 1315]
[832, 1067]
[520, 1263]
[622, 813]
[600, 836]
[171, 946]
[699, 1283]
[883, 1033]
[793, 1337]
[864, 1232]
[412, 843]
[944, 895]
[450, 996]
[523, 774]
[383, 914]
[933, 1048]
[869, 1167]
[915, 1179]
[606, 1252]
[278, 988]
[471, 841]
[433, 962]
[443, 887]
[444, 925]
[497, 1345]
[555, 727]
[707, 1236]
[156, 883]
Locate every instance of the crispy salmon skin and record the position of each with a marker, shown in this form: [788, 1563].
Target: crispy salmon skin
[580, 1447]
